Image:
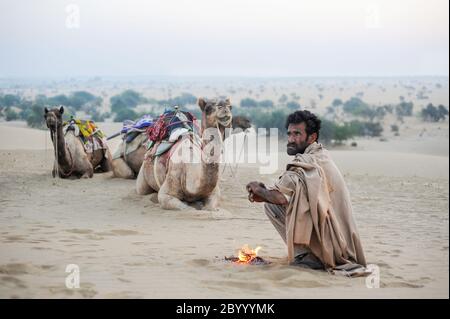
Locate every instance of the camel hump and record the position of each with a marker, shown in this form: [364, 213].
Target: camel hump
[88, 132]
[170, 121]
[86, 128]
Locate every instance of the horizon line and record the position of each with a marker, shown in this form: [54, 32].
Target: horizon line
[12, 77]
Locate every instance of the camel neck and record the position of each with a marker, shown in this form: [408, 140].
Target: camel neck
[59, 143]
[210, 162]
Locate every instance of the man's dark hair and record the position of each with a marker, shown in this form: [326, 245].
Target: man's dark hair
[312, 122]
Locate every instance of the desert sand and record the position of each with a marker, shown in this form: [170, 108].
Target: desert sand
[127, 247]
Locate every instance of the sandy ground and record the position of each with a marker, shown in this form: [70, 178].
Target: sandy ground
[126, 246]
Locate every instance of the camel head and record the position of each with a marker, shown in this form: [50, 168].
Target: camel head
[53, 117]
[215, 113]
[240, 124]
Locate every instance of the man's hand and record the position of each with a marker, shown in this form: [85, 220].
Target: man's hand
[257, 192]
[252, 189]
[252, 186]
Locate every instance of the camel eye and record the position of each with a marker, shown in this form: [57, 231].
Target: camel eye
[209, 109]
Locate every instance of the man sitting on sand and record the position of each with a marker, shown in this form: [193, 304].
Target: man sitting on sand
[310, 205]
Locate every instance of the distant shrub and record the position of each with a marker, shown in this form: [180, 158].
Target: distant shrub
[127, 99]
[380, 112]
[337, 102]
[404, 109]
[80, 98]
[8, 100]
[389, 108]
[248, 102]
[394, 128]
[283, 99]
[35, 116]
[357, 107]
[434, 114]
[182, 100]
[11, 115]
[125, 114]
[372, 129]
[56, 100]
[265, 103]
[292, 105]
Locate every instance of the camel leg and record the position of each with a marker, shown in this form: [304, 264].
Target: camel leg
[154, 197]
[199, 205]
[168, 201]
[212, 202]
[142, 187]
[121, 169]
[89, 173]
[106, 163]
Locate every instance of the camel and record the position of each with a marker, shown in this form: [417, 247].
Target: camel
[178, 182]
[128, 166]
[240, 124]
[72, 159]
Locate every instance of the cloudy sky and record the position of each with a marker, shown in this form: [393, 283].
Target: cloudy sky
[224, 38]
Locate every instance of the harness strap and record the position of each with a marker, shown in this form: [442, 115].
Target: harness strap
[155, 173]
[72, 163]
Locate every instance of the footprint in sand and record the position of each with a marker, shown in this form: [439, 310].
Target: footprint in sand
[46, 226]
[247, 285]
[14, 238]
[199, 262]
[79, 231]
[86, 290]
[297, 283]
[122, 295]
[400, 285]
[22, 269]
[124, 232]
[123, 280]
[205, 214]
[222, 214]
[41, 248]
[12, 282]
[94, 237]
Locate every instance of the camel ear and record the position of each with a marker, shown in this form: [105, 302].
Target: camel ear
[45, 110]
[202, 103]
[61, 110]
[228, 102]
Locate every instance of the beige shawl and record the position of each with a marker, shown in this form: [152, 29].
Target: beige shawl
[319, 214]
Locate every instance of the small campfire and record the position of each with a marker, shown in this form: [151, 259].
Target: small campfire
[246, 255]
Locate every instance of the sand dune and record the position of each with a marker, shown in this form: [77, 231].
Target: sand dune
[127, 247]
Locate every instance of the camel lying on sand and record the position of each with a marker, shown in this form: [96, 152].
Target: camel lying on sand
[73, 161]
[190, 175]
[129, 163]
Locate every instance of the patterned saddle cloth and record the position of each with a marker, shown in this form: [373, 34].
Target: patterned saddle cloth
[89, 133]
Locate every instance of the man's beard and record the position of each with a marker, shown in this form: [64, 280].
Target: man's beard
[294, 149]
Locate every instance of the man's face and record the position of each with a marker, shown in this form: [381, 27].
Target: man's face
[298, 140]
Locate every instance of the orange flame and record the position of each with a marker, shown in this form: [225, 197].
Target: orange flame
[246, 254]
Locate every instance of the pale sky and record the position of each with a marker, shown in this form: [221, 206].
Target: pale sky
[224, 38]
